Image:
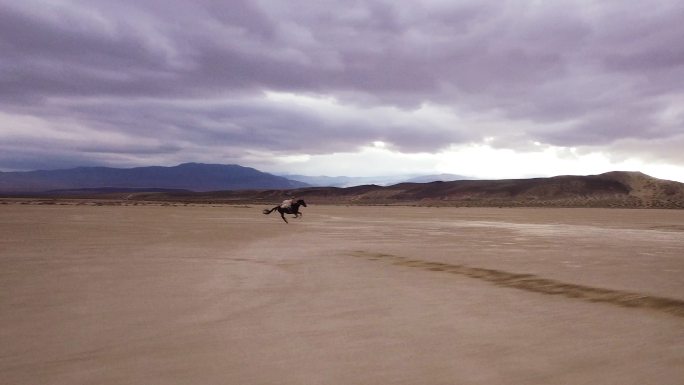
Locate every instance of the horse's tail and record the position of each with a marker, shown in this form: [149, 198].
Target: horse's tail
[267, 211]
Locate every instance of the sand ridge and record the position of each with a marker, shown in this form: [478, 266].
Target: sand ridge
[531, 282]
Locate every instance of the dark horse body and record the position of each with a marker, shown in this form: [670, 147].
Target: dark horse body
[293, 209]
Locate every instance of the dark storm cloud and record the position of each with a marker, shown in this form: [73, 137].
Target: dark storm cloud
[184, 75]
[256, 124]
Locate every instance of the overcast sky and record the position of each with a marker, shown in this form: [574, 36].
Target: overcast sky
[489, 89]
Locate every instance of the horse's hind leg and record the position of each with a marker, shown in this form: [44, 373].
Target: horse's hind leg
[282, 215]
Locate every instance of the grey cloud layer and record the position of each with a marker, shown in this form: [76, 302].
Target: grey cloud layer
[580, 73]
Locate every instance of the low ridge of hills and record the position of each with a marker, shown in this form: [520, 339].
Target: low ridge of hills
[186, 176]
[613, 189]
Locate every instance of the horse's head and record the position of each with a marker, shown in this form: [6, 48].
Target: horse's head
[301, 202]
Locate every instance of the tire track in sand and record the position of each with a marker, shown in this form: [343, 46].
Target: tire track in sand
[538, 284]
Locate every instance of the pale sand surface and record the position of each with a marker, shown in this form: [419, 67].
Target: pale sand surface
[226, 295]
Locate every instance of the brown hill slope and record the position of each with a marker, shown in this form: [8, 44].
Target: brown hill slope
[613, 189]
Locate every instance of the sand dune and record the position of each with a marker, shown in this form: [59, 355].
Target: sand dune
[345, 295]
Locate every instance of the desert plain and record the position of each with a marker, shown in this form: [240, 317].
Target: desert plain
[218, 294]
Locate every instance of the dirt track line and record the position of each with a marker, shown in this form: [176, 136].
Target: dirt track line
[537, 284]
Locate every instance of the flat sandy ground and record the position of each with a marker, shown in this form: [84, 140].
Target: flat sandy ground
[360, 295]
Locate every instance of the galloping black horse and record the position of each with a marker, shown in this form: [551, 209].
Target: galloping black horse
[293, 209]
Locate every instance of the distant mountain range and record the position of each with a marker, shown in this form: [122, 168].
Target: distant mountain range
[347, 181]
[195, 182]
[612, 189]
[437, 178]
[187, 176]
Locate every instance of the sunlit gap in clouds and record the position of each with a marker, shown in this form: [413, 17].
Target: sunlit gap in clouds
[483, 154]
[479, 161]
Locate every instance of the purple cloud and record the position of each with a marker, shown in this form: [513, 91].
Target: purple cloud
[180, 75]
